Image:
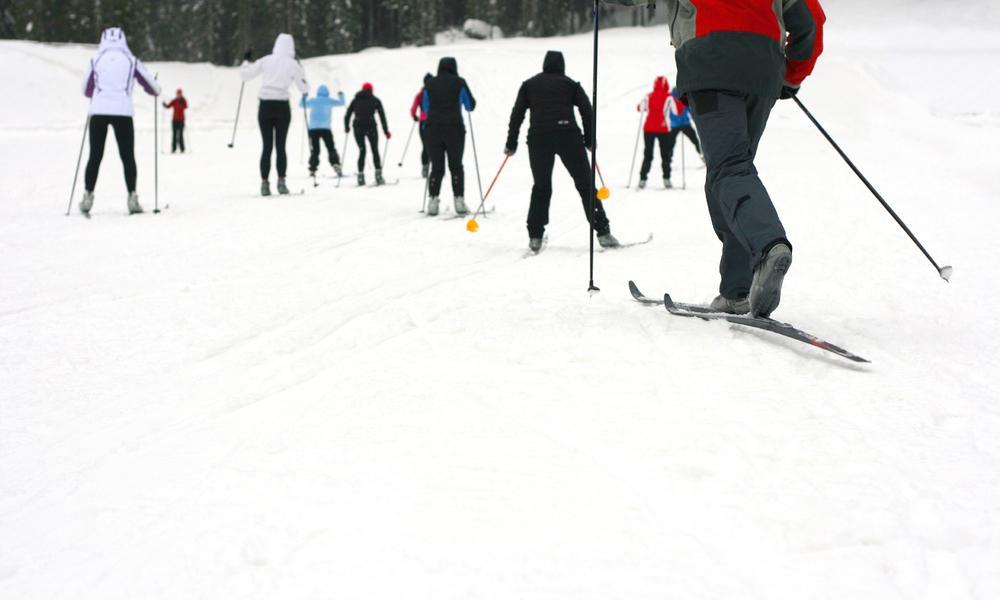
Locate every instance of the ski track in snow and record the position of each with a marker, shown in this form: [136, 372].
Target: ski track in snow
[292, 397]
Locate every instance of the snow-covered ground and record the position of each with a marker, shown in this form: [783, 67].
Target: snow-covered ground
[331, 396]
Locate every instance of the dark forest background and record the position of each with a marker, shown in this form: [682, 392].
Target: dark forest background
[219, 31]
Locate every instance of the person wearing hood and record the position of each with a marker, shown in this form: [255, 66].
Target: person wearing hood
[277, 71]
[443, 100]
[552, 97]
[321, 127]
[658, 106]
[111, 76]
[179, 104]
[363, 108]
[419, 115]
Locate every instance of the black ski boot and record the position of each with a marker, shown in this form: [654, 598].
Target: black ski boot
[282, 188]
[361, 179]
[265, 188]
[765, 291]
[378, 177]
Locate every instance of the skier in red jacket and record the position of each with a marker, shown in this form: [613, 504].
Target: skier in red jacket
[179, 104]
[735, 58]
[420, 117]
[657, 105]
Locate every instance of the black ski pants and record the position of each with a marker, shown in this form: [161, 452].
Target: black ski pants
[743, 216]
[369, 134]
[688, 131]
[178, 136]
[274, 117]
[315, 137]
[666, 153]
[124, 136]
[446, 141]
[543, 148]
[425, 158]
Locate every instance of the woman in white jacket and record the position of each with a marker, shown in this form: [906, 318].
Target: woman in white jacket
[113, 73]
[278, 71]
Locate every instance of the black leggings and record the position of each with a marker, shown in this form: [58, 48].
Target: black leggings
[370, 134]
[315, 137]
[124, 135]
[425, 159]
[178, 136]
[274, 117]
[446, 141]
[543, 148]
[666, 153]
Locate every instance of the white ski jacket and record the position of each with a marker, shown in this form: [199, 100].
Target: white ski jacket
[278, 70]
[113, 72]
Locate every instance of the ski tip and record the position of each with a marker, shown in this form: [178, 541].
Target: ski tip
[634, 289]
[668, 301]
[945, 273]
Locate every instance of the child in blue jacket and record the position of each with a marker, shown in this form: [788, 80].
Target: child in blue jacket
[320, 121]
[681, 123]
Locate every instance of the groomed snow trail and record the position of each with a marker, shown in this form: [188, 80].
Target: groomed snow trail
[330, 395]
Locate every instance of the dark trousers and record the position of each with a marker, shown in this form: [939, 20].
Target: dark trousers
[274, 117]
[361, 134]
[666, 153]
[688, 131]
[446, 141]
[542, 151]
[124, 135]
[425, 158]
[743, 216]
[178, 136]
[326, 136]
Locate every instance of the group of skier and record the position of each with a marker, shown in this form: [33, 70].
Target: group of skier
[731, 70]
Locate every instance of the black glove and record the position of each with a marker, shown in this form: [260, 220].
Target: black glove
[347, 129]
[787, 92]
[510, 151]
[416, 119]
[248, 55]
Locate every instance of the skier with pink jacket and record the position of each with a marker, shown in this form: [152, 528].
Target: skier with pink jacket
[112, 75]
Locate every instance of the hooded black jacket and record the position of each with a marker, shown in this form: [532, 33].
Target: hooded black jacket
[551, 97]
[443, 95]
[363, 108]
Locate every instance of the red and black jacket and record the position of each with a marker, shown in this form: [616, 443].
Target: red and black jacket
[745, 46]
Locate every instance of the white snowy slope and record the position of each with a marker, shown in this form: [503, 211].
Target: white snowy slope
[331, 396]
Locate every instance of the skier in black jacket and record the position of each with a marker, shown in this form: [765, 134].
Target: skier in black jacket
[552, 96]
[444, 97]
[363, 108]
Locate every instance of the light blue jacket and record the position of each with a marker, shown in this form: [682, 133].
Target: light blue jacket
[320, 108]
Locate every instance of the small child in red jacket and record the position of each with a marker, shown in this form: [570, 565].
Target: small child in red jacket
[179, 104]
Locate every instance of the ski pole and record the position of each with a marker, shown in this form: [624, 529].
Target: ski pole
[343, 158]
[239, 105]
[604, 193]
[79, 158]
[472, 225]
[635, 151]
[427, 184]
[475, 157]
[684, 181]
[305, 119]
[385, 152]
[944, 272]
[156, 154]
[406, 148]
[593, 289]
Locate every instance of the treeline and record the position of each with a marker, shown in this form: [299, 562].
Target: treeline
[219, 31]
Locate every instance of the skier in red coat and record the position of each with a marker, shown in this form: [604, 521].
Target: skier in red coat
[735, 58]
[179, 104]
[658, 104]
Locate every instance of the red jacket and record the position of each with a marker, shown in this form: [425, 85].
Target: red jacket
[750, 46]
[656, 103]
[179, 105]
[417, 106]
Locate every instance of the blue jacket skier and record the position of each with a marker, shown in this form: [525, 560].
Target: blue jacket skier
[321, 127]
